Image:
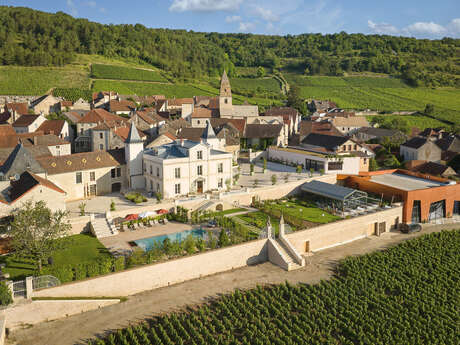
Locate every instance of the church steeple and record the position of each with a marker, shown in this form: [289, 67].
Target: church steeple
[225, 97]
[225, 88]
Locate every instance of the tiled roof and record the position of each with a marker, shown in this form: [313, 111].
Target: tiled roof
[40, 139]
[100, 115]
[127, 106]
[451, 143]
[27, 182]
[415, 142]
[433, 168]
[353, 121]
[149, 117]
[322, 127]
[179, 101]
[193, 134]
[281, 111]
[204, 113]
[82, 161]
[239, 124]
[253, 131]
[66, 104]
[20, 108]
[52, 126]
[329, 142]
[25, 120]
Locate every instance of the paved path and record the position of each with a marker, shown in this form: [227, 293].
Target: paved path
[78, 328]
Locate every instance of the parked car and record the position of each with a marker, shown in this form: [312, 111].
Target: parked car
[212, 223]
[410, 228]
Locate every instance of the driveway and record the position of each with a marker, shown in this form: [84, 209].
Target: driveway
[78, 328]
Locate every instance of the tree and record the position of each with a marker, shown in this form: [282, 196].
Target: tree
[429, 109]
[228, 183]
[5, 294]
[298, 169]
[35, 230]
[82, 208]
[112, 206]
[223, 238]
[260, 72]
[373, 166]
[274, 179]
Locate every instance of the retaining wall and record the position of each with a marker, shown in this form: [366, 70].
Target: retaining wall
[40, 311]
[341, 232]
[154, 276]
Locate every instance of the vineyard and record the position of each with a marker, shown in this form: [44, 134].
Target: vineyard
[412, 120]
[408, 294]
[73, 94]
[255, 84]
[100, 71]
[379, 93]
[38, 80]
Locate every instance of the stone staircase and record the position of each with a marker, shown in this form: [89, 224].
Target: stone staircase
[286, 254]
[103, 227]
[205, 205]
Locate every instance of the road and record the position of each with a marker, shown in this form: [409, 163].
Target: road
[78, 329]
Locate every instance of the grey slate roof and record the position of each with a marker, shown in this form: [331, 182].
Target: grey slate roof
[330, 142]
[133, 136]
[20, 160]
[327, 190]
[415, 142]
[208, 133]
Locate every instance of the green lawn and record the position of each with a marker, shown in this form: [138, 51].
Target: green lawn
[230, 211]
[304, 211]
[259, 220]
[78, 249]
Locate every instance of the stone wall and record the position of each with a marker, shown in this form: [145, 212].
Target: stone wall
[33, 312]
[341, 232]
[154, 276]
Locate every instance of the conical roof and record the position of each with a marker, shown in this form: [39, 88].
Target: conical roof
[208, 133]
[225, 88]
[133, 136]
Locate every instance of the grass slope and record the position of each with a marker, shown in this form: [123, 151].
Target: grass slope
[79, 249]
[407, 294]
[100, 71]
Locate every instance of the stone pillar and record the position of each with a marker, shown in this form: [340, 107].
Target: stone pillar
[269, 229]
[9, 285]
[282, 233]
[29, 287]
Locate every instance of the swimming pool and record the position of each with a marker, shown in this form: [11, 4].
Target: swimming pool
[148, 243]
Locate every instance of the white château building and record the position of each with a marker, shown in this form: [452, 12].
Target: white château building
[185, 166]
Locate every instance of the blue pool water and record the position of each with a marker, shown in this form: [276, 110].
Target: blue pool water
[147, 243]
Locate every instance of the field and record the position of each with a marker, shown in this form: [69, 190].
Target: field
[412, 120]
[170, 90]
[73, 94]
[80, 249]
[35, 81]
[407, 294]
[379, 93]
[255, 84]
[100, 71]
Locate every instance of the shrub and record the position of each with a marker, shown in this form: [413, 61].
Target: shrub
[119, 264]
[136, 258]
[80, 271]
[223, 238]
[135, 197]
[5, 294]
[299, 169]
[189, 244]
[105, 265]
[93, 269]
[112, 206]
[82, 207]
[63, 273]
[274, 179]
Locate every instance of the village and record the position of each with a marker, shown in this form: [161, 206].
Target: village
[151, 179]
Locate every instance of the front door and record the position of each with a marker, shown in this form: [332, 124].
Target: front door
[92, 190]
[199, 187]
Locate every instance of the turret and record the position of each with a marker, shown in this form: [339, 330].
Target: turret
[134, 148]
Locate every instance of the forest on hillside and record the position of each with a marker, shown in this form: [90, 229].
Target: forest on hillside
[33, 38]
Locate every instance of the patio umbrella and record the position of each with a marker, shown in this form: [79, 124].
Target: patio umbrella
[147, 214]
[131, 217]
[162, 211]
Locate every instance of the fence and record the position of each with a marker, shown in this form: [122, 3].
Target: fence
[19, 289]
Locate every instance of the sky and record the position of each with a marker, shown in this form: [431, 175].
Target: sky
[413, 18]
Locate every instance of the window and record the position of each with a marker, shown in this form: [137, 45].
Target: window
[101, 135]
[158, 187]
[78, 177]
[118, 172]
[199, 155]
[356, 147]
[199, 170]
[101, 147]
[226, 100]
[220, 184]
[349, 147]
[220, 167]
[151, 170]
[92, 176]
[365, 160]
[198, 121]
[344, 147]
[151, 185]
[113, 173]
[177, 188]
[158, 172]
[177, 172]
[334, 165]
[81, 131]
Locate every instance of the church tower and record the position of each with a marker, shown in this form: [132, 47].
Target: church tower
[134, 148]
[225, 97]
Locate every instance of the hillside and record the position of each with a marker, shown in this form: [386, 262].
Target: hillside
[29, 37]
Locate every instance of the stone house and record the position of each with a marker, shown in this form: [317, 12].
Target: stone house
[420, 148]
[45, 105]
[349, 125]
[110, 136]
[28, 123]
[12, 111]
[59, 128]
